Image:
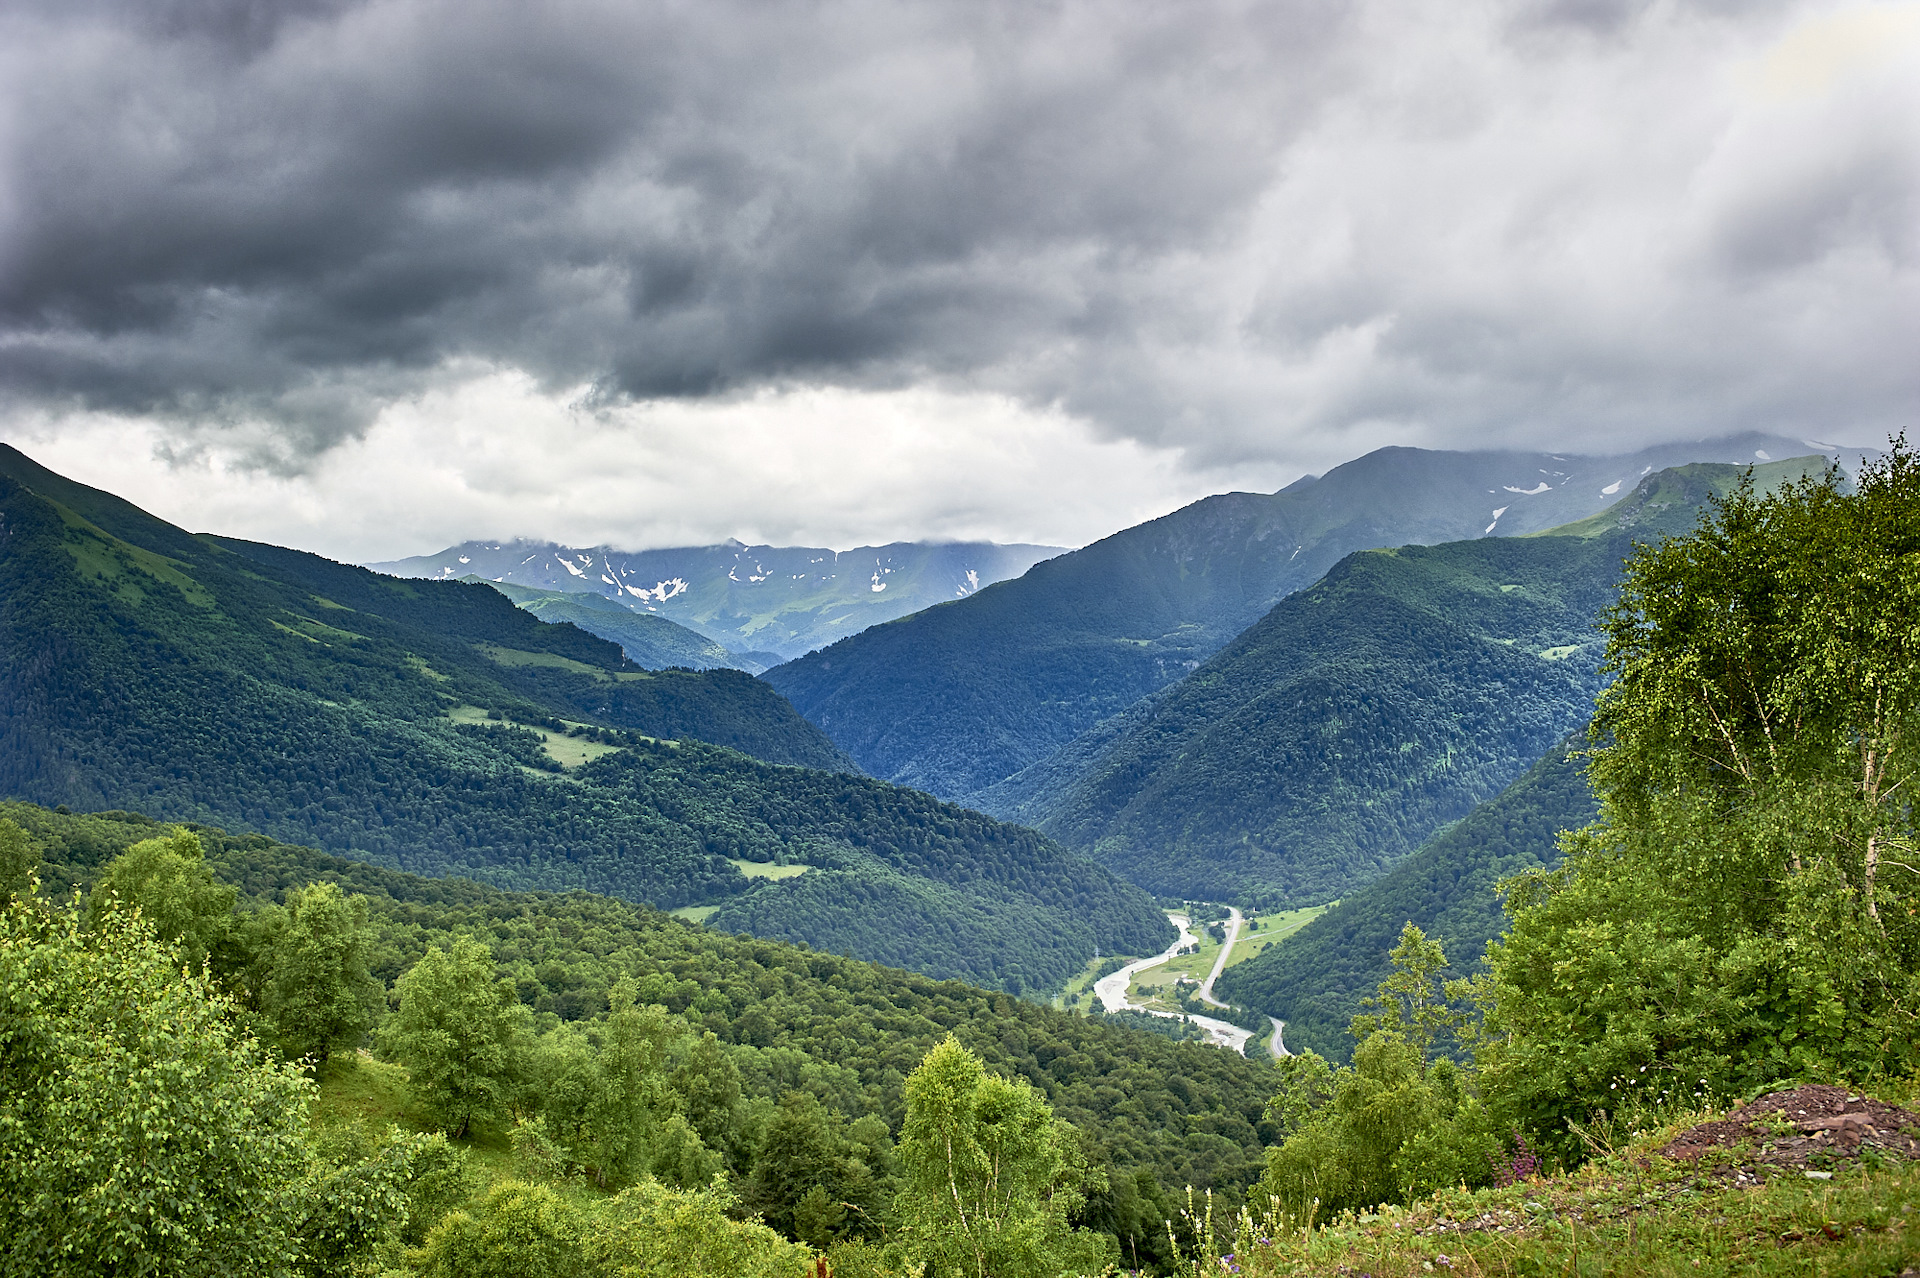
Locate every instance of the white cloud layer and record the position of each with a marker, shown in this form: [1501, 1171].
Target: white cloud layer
[495, 457]
[375, 277]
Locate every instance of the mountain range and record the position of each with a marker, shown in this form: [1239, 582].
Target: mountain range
[960, 697]
[763, 604]
[648, 640]
[1359, 715]
[433, 726]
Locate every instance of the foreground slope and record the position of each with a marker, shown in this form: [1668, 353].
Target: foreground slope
[1316, 978]
[1360, 715]
[1156, 1115]
[962, 696]
[434, 726]
[766, 604]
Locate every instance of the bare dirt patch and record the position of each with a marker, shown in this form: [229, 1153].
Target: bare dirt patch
[1816, 1126]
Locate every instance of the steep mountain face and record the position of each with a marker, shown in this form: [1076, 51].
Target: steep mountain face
[1315, 979]
[765, 604]
[1361, 714]
[958, 698]
[650, 642]
[436, 727]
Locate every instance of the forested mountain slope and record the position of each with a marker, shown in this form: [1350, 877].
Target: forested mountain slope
[266, 689]
[768, 603]
[1362, 714]
[1315, 979]
[1157, 1115]
[959, 697]
[650, 642]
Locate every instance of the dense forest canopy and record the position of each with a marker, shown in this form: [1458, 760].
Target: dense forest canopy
[433, 726]
[587, 1086]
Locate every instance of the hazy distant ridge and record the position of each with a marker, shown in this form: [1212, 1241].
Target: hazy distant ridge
[774, 601]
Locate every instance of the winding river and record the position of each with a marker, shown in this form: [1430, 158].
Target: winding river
[1111, 990]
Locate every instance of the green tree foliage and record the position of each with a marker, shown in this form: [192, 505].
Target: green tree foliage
[1396, 1123]
[169, 882]
[320, 994]
[518, 1229]
[990, 1178]
[1318, 978]
[207, 680]
[647, 1231]
[140, 1133]
[757, 1019]
[654, 1231]
[457, 1029]
[1745, 908]
[604, 1091]
[363, 1191]
[819, 1179]
[19, 860]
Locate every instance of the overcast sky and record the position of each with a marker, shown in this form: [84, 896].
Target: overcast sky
[371, 278]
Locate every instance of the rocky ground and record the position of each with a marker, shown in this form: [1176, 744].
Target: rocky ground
[1814, 1128]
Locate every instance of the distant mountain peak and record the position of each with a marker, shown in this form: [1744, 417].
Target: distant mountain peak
[783, 600]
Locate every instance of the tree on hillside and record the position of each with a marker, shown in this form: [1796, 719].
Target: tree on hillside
[1745, 908]
[990, 1177]
[169, 881]
[1394, 1124]
[140, 1132]
[18, 859]
[320, 994]
[457, 1030]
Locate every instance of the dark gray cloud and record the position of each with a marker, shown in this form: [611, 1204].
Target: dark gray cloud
[1266, 231]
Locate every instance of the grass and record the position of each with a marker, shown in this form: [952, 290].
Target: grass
[514, 657]
[1154, 987]
[767, 870]
[101, 555]
[1274, 928]
[568, 752]
[1081, 983]
[357, 1087]
[1626, 1213]
[695, 913]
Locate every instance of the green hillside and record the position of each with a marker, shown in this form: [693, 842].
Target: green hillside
[1362, 714]
[960, 697]
[1156, 1115]
[649, 641]
[1315, 979]
[435, 727]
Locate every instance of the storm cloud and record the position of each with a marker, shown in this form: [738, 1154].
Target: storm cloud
[1260, 236]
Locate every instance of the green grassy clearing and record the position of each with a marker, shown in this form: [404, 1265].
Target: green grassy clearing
[514, 657]
[568, 752]
[1154, 987]
[1081, 985]
[1274, 928]
[105, 557]
[694, 913]
[358, 1088]
[766, 870]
